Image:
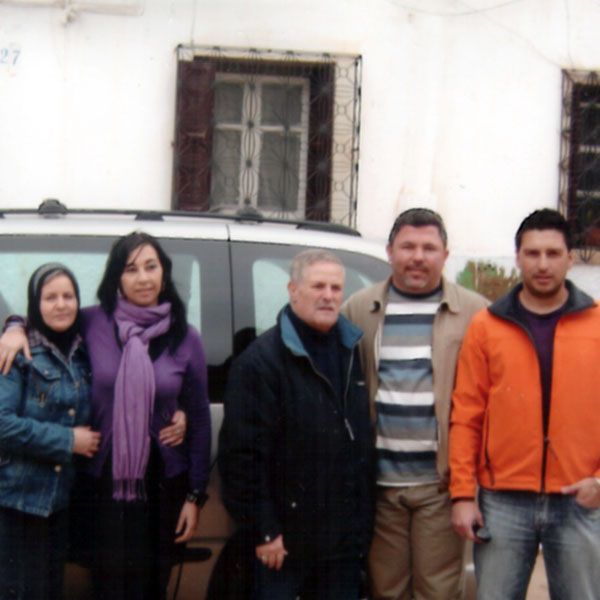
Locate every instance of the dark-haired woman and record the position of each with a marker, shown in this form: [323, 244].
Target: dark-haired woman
[143, 496]
[44, 410]
[147, 363]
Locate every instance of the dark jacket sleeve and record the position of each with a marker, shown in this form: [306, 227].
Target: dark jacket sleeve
[195, 402]
[246, 446]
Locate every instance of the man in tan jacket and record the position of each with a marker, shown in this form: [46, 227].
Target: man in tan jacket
[413, 326]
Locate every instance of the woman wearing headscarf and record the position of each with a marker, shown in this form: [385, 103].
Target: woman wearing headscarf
[44, 411]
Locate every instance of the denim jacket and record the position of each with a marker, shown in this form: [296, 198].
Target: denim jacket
[40, 402]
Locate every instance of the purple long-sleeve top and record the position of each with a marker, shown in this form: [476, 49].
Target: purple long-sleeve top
[181, 383]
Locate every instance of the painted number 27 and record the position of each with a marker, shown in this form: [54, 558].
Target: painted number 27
[9, 56]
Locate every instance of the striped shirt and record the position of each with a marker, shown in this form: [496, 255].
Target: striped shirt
[406, 423]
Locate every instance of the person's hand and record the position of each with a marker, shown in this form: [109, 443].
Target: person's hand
[12, 340]
[272, 554]
[174, 434]
[586, 492]
[85, 441]
[465, 514]
[187, 522]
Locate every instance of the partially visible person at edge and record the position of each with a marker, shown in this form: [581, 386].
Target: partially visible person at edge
[295, 446]
[525, 426]
[413, 325]
[144, 495]
[44, 412]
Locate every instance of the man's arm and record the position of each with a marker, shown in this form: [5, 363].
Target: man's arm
[469, 402]
[586, 492]
[272, 554]
[465, 514]
[13, 340]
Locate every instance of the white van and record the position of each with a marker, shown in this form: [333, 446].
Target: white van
[231, 272]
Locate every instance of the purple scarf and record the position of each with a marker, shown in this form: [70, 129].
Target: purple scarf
[134, 396]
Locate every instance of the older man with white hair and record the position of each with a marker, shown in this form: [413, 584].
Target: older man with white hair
[296, 444]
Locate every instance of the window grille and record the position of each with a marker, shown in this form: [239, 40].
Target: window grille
[580, 159]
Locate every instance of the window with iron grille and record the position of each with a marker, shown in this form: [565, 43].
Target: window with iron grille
[270, 132]
[580, 158]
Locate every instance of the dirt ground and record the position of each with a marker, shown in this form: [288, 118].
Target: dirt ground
[538, 588]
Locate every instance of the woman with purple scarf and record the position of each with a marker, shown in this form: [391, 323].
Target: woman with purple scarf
[147, 363]
[142, 491]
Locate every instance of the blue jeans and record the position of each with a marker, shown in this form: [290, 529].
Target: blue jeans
[335, 579]
[519, 522]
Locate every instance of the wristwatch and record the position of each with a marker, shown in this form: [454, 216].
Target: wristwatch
[197, 497]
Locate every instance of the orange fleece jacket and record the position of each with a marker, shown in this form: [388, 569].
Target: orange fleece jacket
[496, 433]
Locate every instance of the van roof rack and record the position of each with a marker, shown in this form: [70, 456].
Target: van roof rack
[53, 208]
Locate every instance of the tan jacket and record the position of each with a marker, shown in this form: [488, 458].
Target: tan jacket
[366, 309]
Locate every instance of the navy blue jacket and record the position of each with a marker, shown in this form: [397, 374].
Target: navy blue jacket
[295, 459]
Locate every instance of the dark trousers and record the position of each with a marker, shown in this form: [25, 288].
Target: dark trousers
[334, 579]
[132, 543]
[32, 555]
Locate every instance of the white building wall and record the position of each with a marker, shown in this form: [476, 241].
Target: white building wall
[461, 100]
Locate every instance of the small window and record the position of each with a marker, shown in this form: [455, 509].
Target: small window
[580, 158]
[267, 131]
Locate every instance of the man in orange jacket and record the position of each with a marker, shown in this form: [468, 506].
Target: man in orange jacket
[525, 427]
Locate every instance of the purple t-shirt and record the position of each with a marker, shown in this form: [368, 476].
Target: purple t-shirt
[181, 382]
[542, 327]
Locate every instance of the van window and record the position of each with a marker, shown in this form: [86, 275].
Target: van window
[198, 273]
[260, 277]
[88, 266]
[269, 286]
[17, 267]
